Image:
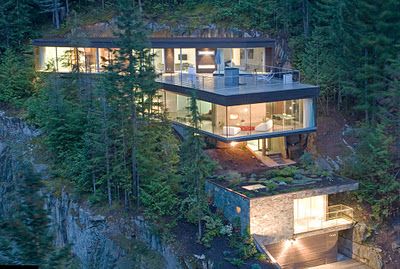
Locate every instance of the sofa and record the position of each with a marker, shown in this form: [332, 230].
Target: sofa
[264, 126]
[230, 130]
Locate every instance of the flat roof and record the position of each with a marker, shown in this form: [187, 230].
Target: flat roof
[320, 185]
[251, 89]
[157, 42]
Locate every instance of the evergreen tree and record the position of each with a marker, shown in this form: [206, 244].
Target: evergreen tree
[24, 234]
[16, 23]
[196, 166]
[16, 76]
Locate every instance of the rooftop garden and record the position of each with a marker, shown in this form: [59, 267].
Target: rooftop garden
[303, 176]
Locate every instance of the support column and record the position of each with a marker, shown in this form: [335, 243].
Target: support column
[264, 147]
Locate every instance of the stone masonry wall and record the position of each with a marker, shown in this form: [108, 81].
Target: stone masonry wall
[232, 204]
[272, 217]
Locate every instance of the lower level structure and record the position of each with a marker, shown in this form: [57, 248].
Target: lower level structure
[292, 220]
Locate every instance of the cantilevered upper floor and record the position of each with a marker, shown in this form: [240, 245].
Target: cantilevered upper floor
[241, 96]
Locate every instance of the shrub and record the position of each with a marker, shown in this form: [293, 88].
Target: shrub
[213, 228]
[288, 171]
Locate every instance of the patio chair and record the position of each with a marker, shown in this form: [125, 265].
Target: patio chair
[267, 77]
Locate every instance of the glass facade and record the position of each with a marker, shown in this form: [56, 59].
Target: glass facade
[91, 60]
[66, 59]
[243, 120]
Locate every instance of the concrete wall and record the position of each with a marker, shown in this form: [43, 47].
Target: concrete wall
[232, 204]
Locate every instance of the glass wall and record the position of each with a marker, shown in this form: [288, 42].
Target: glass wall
[158, 60]
[67, 59]
[183, 59]
[46, 59]
[249, 60]
[243, 120]
[309, 213]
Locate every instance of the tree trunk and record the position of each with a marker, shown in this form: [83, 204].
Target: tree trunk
[56, 14]
[306, 26]
[67, 7]
[107, 153]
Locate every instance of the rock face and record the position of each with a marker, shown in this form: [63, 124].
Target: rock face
[98, 242]
[14, 135]
[352, 244]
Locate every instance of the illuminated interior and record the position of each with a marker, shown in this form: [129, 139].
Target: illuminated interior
[91, 60]
[309, 213]
[242, 120]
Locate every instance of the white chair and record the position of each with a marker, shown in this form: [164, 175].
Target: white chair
[267, 77]
[264, 126]
[230, 130]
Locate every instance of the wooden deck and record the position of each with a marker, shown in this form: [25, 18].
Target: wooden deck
[344, 263]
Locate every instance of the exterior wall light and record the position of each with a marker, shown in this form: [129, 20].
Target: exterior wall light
[238, 209]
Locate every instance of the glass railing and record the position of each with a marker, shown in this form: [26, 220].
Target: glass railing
[340, 212]
[336, 215]
[247, 76]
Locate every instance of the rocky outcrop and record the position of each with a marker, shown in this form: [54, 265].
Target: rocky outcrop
[352, 243]
[112, 242]
[95, 241]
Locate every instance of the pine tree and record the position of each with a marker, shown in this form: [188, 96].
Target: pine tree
[16, 24]
[16, 75]
[196, 166]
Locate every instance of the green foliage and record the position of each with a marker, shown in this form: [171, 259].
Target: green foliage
[214, 227]
[16, 76]
[16, 24]
[107, 136]
[271, 185]
[236, 261]
[255, 266]
[24, 234]
[244, 245]
[371, 165]
[195, 167]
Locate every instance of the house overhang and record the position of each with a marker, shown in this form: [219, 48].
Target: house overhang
[173, 42]
[248, 137]
[301, 92]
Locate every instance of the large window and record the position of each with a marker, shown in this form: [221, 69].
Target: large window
[309, 213]
[243, 120]
[184, 58]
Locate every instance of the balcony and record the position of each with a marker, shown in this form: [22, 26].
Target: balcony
[337, 217]
[251, 79]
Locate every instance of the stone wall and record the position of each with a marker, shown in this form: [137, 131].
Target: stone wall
[232, 204]
[352, 244]
[272, 217]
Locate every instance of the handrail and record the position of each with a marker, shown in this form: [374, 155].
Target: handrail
[210, 82]
[336, 215]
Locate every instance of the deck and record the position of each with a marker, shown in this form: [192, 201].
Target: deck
[342, 263]
[251, 83]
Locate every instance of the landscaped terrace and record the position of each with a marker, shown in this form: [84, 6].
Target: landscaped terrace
[277, 181]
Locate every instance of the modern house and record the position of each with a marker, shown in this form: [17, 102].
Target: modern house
[241, 96]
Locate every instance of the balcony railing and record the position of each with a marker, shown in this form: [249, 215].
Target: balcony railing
[336, 215]
[249, 77]
[340, 212]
